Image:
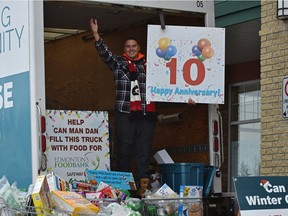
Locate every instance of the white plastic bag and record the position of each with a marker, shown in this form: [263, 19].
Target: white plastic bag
[8, 195]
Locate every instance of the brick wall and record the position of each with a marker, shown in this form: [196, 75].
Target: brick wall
[274, 62]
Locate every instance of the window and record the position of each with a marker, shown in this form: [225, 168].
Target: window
[244, 130]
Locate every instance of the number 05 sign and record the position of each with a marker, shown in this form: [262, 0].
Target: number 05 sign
[185, 62]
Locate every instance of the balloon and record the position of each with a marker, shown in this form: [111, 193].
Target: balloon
[207, 52]
[201, 58]
[163, 43]
[171, 50]
[203, 43]
[196, 51]
[167, 58]
[160, 53]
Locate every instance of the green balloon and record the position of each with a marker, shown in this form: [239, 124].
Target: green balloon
[201, 58]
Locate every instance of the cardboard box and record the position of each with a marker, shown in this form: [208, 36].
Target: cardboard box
[57, 183]
[106, 190]
[190, 191]
[41, 196]
[81, 186]
[73, 203]
[163, 157]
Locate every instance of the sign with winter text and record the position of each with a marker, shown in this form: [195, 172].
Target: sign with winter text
[185, 62]
[262, 195]
[77, 141]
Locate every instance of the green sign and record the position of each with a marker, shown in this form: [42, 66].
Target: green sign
[262, 195]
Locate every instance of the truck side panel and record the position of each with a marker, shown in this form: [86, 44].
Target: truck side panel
[15, 136]
[20, 60]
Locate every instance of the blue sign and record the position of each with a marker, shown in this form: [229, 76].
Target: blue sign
[15, 129]
[262, 195]
[118, 180]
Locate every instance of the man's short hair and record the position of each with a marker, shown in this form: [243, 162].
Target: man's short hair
[131, 38]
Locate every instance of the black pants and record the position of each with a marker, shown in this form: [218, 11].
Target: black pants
[134, 139]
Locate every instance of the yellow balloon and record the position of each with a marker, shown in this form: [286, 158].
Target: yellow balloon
[163, 43]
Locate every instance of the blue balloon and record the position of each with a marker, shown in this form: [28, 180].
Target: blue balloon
[160, 53]
[171, 50]
[196, 51]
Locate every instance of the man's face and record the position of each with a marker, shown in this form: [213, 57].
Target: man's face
[131, 49]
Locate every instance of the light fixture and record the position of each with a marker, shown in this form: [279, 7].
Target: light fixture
[282, 9]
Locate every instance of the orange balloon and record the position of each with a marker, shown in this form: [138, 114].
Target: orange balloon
[207, 52]
[203, 43]
[163, 43]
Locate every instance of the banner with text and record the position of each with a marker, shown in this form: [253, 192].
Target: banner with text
[77, 141]
[185, 62]
[262, 195]
[15, 74]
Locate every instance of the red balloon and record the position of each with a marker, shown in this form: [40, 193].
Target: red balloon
[203, 43]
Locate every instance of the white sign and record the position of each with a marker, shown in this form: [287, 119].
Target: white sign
[184, 63]
[15, 127]
[14, 41]
[285, 98]
[77, 141]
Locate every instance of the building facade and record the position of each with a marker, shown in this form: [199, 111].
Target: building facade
[241, 20]
[274, 58]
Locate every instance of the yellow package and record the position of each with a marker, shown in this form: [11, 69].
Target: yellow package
[41, 196]
[72, 202]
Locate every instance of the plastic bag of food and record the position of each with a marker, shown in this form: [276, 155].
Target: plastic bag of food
[8, 195]
[21, 195]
